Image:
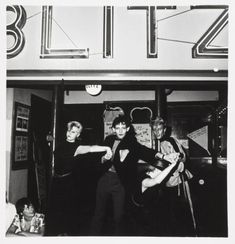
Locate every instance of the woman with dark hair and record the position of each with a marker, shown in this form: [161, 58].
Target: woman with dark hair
[26, 222]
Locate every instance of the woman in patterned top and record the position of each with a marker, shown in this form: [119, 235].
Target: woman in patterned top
[27, 222]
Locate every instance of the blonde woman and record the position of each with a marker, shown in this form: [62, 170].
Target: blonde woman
[60, 217]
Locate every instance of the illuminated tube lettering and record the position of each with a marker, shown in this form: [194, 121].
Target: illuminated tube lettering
[151, 29]
[14, 29]
[203, 47]
[46, 50]
[108, 32]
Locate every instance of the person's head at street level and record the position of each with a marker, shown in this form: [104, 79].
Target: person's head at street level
[74, 129]
[158, 127]
[121, 125]
[25, 208]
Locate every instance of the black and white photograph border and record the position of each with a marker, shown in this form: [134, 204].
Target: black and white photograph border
[131, 77]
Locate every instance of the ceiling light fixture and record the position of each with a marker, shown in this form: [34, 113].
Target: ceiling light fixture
[93, 90]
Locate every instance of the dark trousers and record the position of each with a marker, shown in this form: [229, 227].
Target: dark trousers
[60, 207]
[177, 215]
[146, 218]
[109, 186]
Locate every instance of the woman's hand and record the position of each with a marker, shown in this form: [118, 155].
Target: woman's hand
[108, 155]
[180, 167]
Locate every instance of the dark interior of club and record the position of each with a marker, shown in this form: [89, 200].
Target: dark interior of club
[208, 165]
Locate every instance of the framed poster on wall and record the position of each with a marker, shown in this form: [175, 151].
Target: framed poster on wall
[144, 134]
[20, 157]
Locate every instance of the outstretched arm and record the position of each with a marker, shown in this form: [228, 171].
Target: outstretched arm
[160, 176]
[172, 157]
[94, 148]
[148, 154]
[26, 233]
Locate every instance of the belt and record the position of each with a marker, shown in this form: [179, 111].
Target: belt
[61, 176]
